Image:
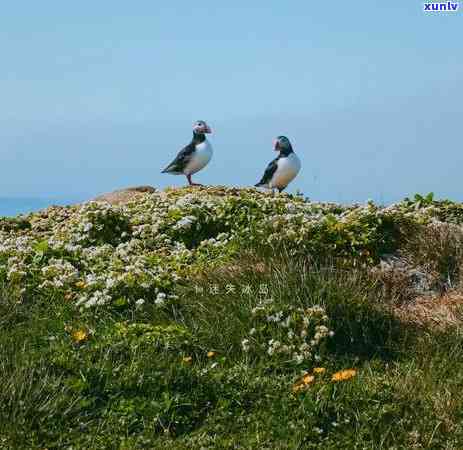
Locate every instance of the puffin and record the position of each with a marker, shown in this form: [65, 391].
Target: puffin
[193, 157]
[283, 169]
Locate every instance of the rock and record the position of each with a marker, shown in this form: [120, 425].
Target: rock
[124, 195]
[411, 281]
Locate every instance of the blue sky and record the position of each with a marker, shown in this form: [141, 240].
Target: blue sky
[101, 95]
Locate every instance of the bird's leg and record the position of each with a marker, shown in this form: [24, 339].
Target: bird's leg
[188, 177]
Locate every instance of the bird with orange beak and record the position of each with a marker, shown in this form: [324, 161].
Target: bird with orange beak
[283, 169]
[195, 156]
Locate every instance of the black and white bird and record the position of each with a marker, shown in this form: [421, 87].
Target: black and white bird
[195, 156]
[283, 169]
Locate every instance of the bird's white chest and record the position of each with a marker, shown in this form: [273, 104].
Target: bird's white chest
[287, 170]
[200, 158]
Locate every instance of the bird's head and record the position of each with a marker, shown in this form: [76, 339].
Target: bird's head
[282, 144]
[201, 127]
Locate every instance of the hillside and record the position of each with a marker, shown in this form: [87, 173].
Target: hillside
[230, 318]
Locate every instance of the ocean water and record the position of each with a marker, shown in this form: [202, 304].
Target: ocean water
[10, 206]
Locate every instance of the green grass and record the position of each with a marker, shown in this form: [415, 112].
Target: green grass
[187, 319]
[128, 386]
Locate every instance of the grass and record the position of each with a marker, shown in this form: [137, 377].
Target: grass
[141, 377]
[217, 318]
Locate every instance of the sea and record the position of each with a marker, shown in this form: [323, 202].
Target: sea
[12, 206]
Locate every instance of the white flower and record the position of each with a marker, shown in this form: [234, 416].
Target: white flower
[140, 302]
[87, 227]
[245, 345]
[185, 222]
[160, 299]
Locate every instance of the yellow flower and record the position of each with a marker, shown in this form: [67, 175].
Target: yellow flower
[319, 370]
[344, 375]
[80, 284]
[187, 359]
[303, 382]
[308, 379]
[79, 336]
[211, 354]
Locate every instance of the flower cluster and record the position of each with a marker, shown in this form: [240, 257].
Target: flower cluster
[287, 333]
[100, 223]
[307, 378]
[99, 254]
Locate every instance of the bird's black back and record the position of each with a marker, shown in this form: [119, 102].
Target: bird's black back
[269, 172]
[184, 156]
